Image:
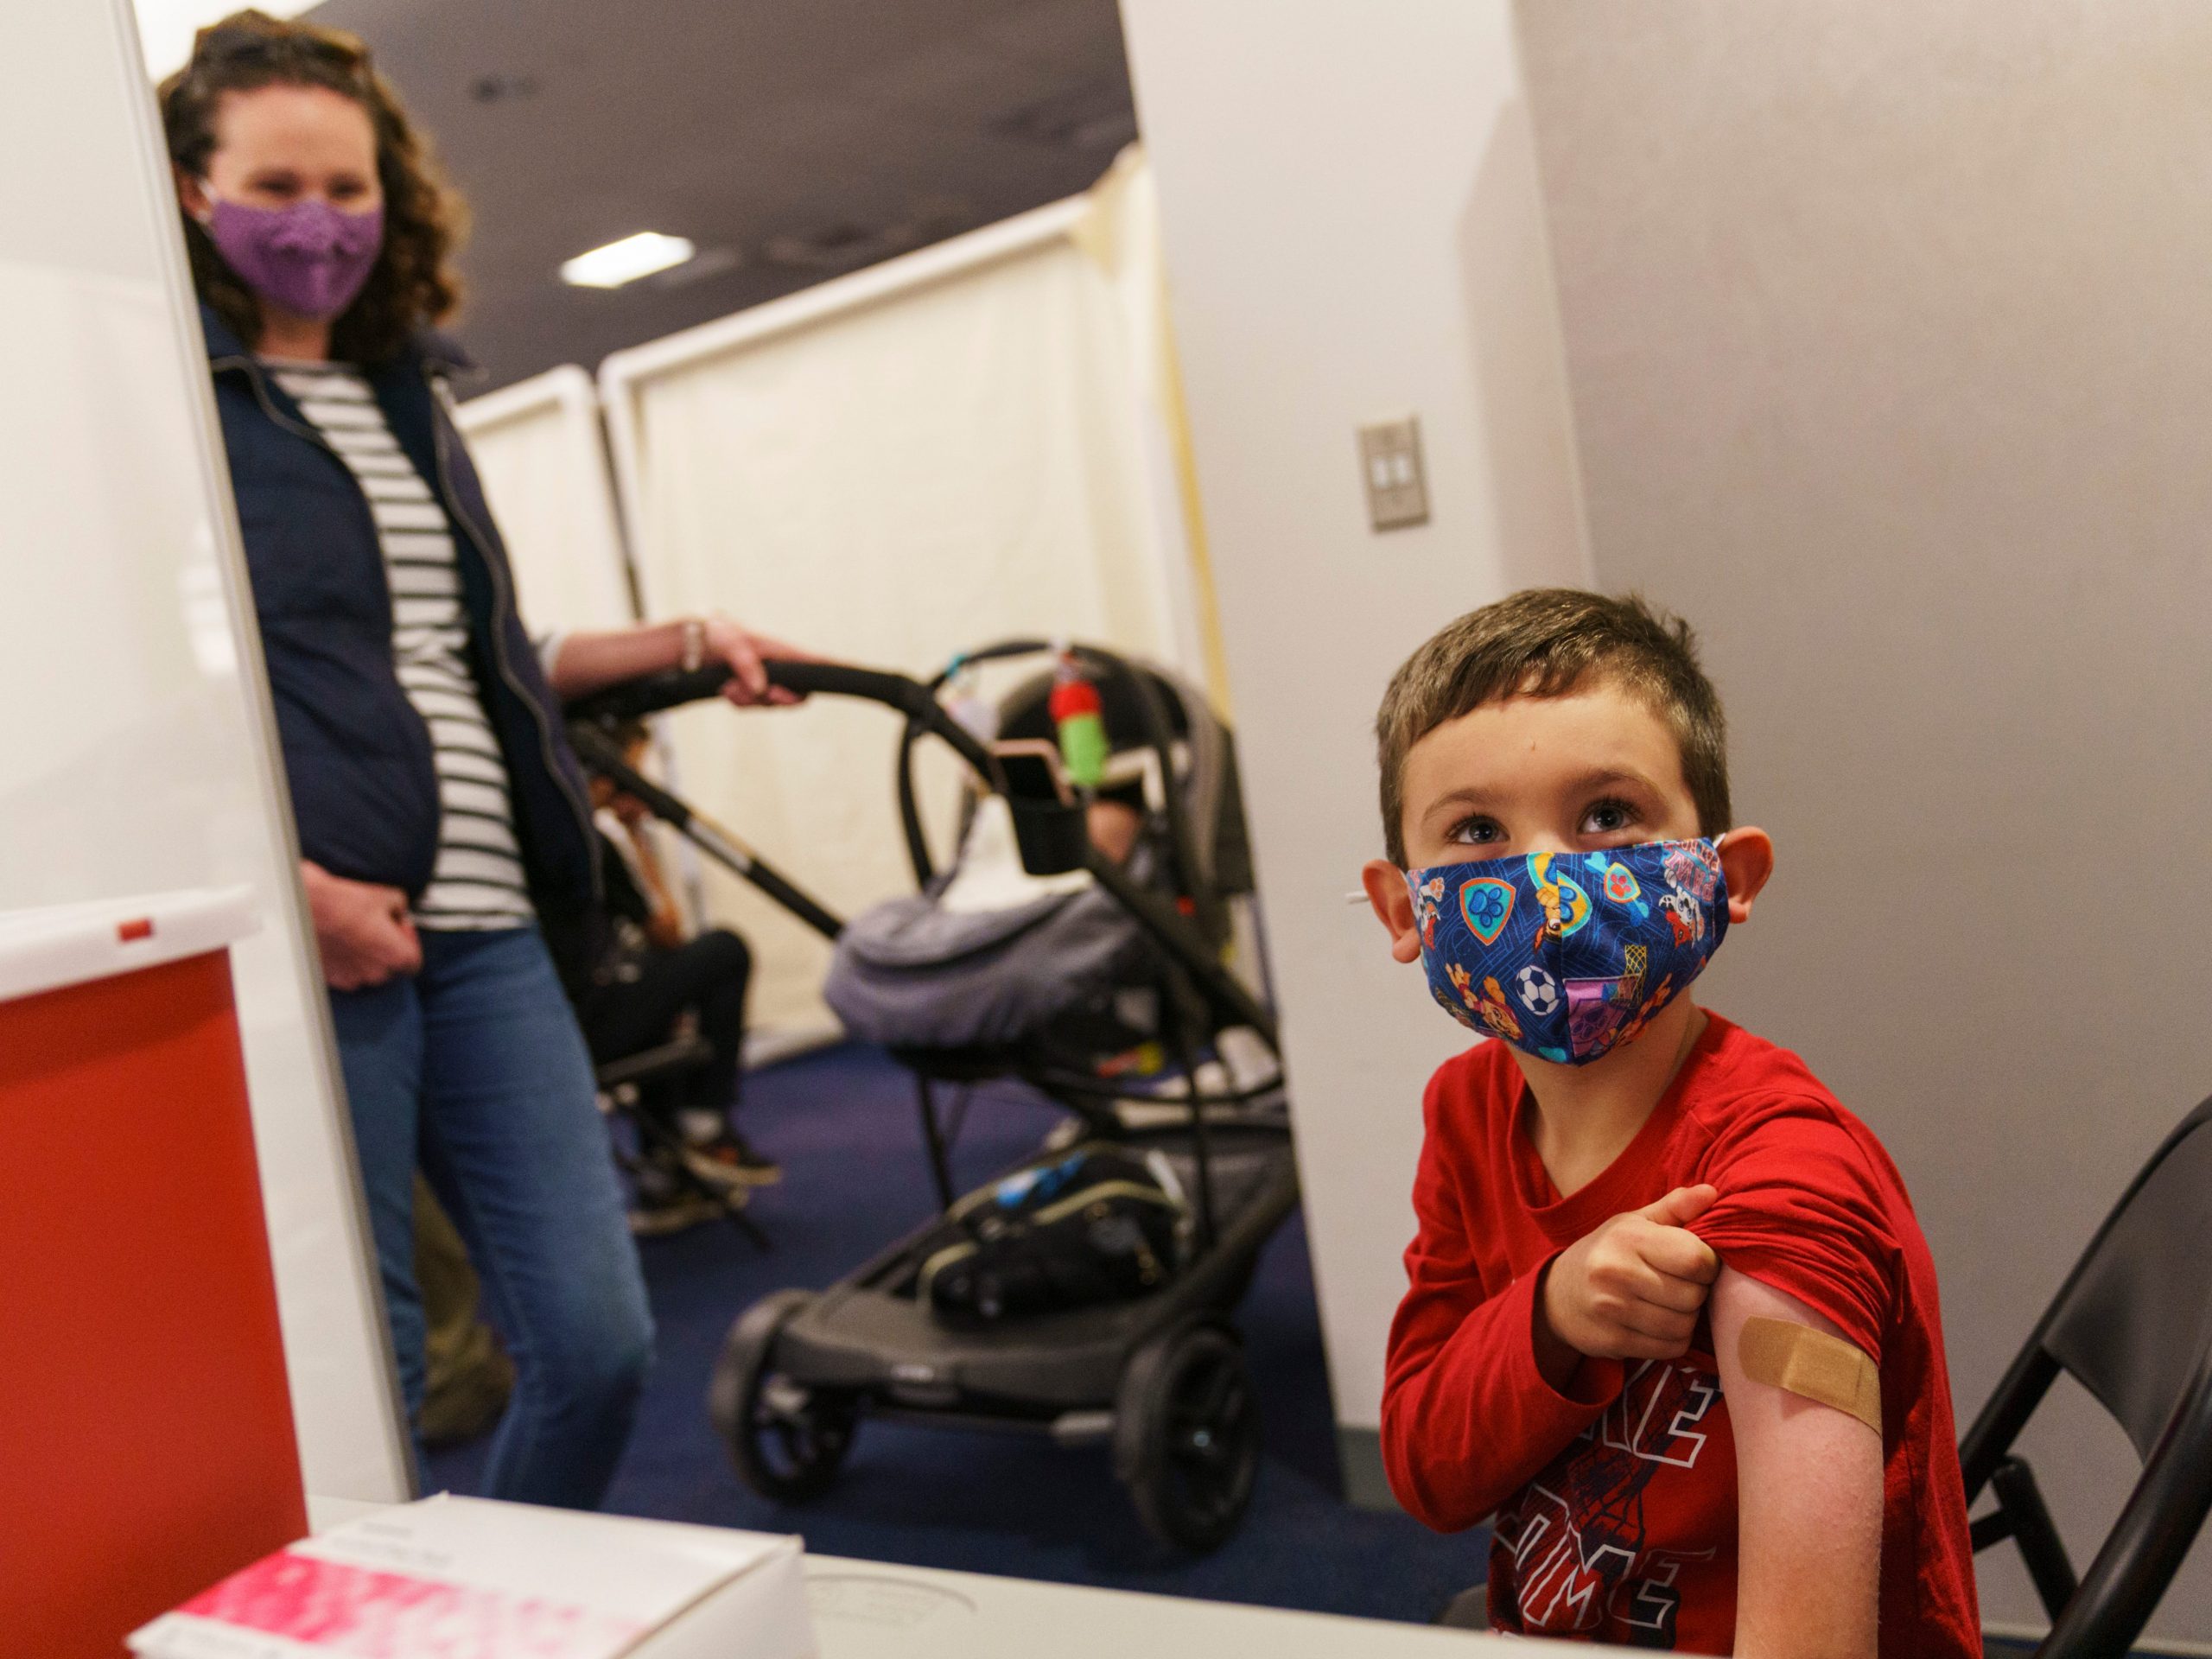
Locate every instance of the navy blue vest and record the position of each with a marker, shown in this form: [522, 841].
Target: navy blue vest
[365, 791]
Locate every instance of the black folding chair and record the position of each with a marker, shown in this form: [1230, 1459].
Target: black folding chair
[622, 1083]
[2130, 1325]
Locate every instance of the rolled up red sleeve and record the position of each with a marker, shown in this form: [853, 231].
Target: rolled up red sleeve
[1801, 1209]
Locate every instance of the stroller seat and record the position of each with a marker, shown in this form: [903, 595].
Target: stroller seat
[990, 968]
[913, 975]
[986, 957]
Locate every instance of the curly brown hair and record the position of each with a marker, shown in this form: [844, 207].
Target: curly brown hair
[411, 285]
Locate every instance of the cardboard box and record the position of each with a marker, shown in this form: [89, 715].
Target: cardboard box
[463, 1578]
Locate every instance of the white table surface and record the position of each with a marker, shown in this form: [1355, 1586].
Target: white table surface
[873, 1610]
[877, 1610]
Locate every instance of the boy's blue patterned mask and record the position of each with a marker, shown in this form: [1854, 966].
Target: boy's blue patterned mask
[1567, 955]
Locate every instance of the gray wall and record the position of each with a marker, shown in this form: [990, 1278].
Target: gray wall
[1889, 332]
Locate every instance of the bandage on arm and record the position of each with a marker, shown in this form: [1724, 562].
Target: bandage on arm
[1809, 1480]
[1813, 1365]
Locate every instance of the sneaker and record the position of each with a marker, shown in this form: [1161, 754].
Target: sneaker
[658, 1216]
[730, 1160]
[664, 1202]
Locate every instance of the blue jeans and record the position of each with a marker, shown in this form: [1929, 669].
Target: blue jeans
[474, 1069]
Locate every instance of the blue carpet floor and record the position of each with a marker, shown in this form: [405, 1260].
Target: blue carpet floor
[842, 1123]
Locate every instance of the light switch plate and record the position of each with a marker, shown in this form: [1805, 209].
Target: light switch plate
[1397, 484]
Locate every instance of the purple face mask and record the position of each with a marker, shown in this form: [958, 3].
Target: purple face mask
[308, 258]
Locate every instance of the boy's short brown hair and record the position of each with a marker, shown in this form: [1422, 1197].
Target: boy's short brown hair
[1546, 642]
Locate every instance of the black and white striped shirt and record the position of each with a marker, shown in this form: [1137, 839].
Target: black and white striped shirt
[478, 883]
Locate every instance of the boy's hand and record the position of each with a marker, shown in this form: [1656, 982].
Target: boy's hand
[1630, 1289]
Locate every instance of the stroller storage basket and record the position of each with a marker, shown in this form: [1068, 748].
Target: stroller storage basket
[1078, 1227]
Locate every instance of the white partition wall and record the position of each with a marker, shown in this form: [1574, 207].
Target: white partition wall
[1352, 229]
[955, 447]
[541, 450]
[139, 754]
[537, 447]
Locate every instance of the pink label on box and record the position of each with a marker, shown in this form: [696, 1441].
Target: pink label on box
[373, 1615]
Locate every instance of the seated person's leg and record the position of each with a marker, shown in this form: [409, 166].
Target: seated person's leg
[720, 972]
[719, 1149]
[672, 1193]
[706, 977]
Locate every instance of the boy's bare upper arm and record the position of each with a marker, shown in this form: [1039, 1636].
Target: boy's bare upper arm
[1809, 1495]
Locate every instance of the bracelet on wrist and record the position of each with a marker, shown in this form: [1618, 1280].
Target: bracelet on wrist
[695, 645]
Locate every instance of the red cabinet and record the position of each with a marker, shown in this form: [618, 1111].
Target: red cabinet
[146, 1439]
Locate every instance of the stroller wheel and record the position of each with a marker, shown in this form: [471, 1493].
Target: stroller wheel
[787, 1440]
[1187, 1436]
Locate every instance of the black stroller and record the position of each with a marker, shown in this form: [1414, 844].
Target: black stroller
[1158, 1372]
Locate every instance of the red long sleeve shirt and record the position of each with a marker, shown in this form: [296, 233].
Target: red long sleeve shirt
[1615, 1502]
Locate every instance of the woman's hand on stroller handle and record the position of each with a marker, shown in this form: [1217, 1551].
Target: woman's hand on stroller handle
[609, 669]
[746, 655]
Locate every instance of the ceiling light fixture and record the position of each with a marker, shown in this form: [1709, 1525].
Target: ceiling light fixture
[627, 261]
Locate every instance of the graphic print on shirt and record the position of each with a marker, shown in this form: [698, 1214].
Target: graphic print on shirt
[1577, 1537]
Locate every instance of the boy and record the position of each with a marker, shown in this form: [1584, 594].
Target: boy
[1670, 1319]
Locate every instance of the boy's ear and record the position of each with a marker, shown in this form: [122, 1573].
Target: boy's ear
[1747, 859]
[1394, 906]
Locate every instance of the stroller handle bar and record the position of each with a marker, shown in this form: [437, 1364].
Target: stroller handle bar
[649, 695]
[635, 698]
[652, 693]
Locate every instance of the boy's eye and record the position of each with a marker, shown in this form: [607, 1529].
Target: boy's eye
[1608, 818]
[1479, 832]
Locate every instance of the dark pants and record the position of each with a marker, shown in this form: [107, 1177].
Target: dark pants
[706, 976]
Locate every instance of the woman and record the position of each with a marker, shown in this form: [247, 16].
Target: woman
[443, 824]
